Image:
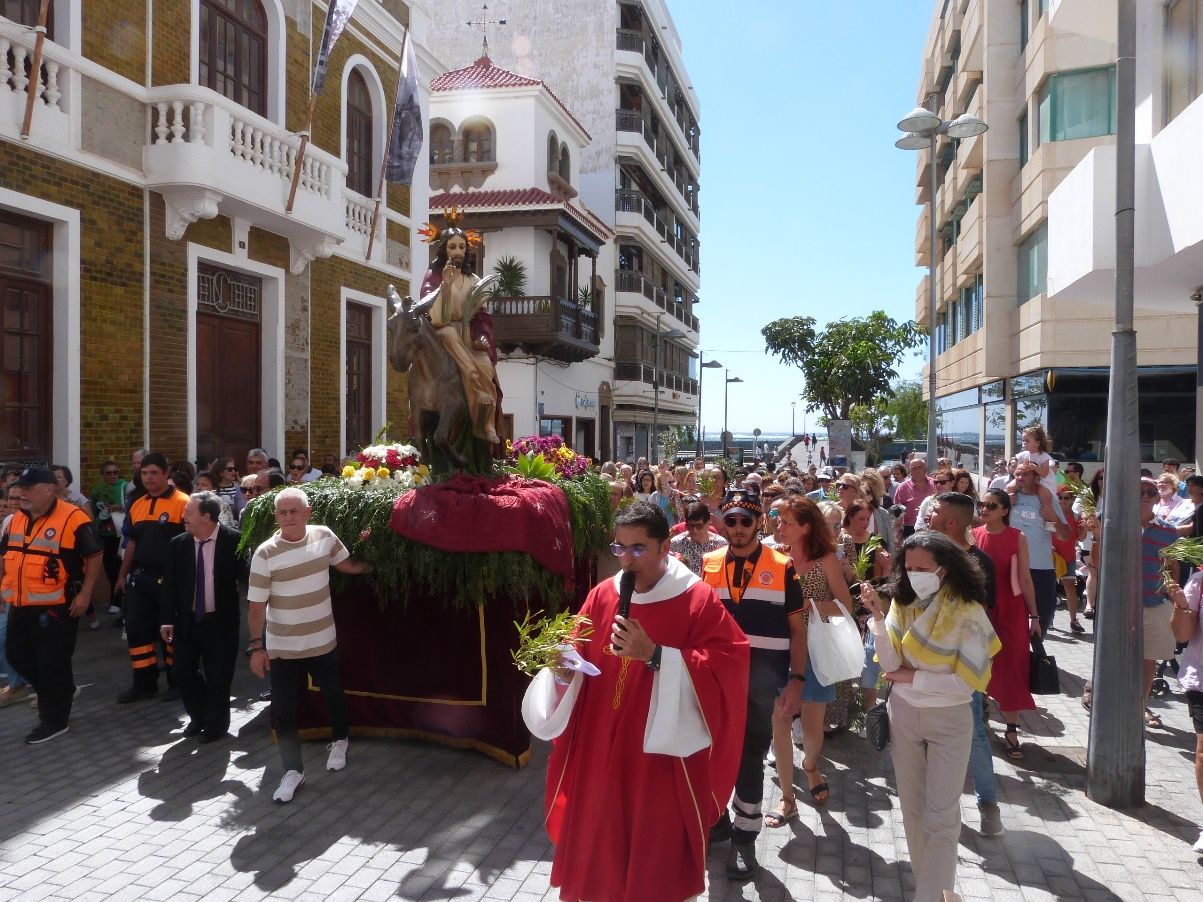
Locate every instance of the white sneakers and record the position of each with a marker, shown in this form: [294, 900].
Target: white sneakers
[337, 759]
[293, 780]
[1198, 846]
[289, 786]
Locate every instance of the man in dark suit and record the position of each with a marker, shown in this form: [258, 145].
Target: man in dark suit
[199, 613]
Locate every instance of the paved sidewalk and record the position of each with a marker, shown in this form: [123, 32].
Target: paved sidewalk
[123, 807]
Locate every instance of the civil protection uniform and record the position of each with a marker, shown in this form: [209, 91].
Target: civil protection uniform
[154, 521]
[43, 570]
[759, 592]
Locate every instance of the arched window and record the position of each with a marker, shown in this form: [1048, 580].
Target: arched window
[565, 166]
[442, 146]
[359, 134]
[553, 152]
[233, 51]
[478, 143]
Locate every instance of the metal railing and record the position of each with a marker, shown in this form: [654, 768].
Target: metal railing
[632, 41]
[627, 371]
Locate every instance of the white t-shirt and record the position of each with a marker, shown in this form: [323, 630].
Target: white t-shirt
[1040, 459]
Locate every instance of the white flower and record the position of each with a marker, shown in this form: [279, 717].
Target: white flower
[355, 482]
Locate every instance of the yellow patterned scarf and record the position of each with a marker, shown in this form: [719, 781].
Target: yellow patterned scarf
[944, 634]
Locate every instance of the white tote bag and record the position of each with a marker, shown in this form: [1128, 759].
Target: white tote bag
[836, 650]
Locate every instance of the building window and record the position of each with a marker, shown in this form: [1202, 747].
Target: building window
[1033, 264]
[233, 51]
[1023, 139]
[1181, 57]
[359, 375]
[478, 144]
[553, 152]
[25, 12]
[565, 164]
[359, 134]
[442, 145]
[1077, 105]
[1024, 19]
[26, 338]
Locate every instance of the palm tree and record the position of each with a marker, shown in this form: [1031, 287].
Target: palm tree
[511, 281]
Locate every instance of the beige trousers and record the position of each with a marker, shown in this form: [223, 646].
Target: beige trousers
[930, 749]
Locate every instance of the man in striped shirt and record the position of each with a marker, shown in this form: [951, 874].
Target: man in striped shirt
[289, 593]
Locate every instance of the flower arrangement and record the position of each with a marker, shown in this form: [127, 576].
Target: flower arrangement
[378, 463]
[551, 448]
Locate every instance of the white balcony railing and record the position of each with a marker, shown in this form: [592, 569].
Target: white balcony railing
[51, 120]
[206, 151]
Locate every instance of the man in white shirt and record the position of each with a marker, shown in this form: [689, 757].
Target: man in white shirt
[289, 594]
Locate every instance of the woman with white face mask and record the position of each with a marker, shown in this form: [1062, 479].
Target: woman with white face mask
[935, 647]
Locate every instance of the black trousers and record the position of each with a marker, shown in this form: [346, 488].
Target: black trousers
[1045, 584]
[41, 641]
[205, 656]
[140, 608]
[112, 560]
[767, 677]
[286, 675]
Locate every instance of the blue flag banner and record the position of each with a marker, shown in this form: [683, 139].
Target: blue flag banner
[406, 141]
[337, 16]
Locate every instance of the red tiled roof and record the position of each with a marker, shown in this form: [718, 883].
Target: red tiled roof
[483, 74]
[519, 198]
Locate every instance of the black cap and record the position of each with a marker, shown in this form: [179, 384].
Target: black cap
[36, 476]
[742, 500]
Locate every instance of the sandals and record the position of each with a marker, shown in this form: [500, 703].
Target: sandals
[1152, 721]
[789, 811]
[1011, 738]
[819, 789]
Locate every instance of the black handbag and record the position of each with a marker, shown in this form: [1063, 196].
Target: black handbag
[877, 722]
[1043, 677]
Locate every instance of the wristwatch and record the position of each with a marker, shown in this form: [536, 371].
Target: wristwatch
[800, 677]
[653, 663]
[256, 645]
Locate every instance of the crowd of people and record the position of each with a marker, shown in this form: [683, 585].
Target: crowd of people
[160, 550]
[952, 579]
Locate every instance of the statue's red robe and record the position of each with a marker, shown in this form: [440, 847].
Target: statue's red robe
[629, 824]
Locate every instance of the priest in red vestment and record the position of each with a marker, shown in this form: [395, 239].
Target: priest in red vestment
[645, 753]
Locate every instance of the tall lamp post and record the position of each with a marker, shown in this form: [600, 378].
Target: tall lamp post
[654, 451]
[729, 380]
[703, 364]
[922, 128]
[793, 411]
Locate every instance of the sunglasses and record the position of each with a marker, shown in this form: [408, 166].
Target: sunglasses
[842, 486]
[941, 481]
[618, 550]
[738, 521]
[254, 490]
[229, 469]
[990, 505]
[297, 467]
[1149, 493]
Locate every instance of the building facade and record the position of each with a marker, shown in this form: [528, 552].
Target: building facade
[156, 291]
[1024, 298]
[552, 307]
[618, 67]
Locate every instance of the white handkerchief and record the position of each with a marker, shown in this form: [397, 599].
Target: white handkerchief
[571, 659]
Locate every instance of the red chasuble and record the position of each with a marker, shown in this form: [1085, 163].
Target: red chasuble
[630, 825]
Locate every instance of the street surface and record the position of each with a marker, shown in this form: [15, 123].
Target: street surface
[123, 807]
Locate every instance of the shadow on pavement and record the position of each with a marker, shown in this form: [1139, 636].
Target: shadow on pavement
[1009, 857]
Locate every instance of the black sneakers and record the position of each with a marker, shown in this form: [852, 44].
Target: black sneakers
[45, 733]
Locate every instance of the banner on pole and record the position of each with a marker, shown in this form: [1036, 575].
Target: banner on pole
[406, 142]
[337, 16]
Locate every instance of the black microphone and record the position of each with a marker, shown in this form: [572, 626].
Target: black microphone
[626, 586]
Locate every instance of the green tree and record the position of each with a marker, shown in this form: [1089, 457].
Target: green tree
[511, 281]
[851, 361]
[908, 410]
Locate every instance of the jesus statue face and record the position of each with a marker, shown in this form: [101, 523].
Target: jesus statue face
[457, 249]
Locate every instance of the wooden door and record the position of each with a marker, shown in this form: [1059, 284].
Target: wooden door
[26, 339]
[228, 372]
[359, 377]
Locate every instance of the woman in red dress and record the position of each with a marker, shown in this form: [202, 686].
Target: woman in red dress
[1013, 615]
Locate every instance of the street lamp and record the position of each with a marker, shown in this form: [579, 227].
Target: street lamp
[922, 127]
[703, 364]
[654, 451]
[730, 379]
[793, 426]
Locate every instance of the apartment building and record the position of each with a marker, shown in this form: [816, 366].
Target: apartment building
[156, 291]
[618, 67]
[1024, 269]
[549, 313]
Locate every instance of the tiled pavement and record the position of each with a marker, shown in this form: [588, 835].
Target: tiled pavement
[123, 807]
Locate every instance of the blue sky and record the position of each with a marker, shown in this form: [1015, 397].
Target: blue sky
[808, 209]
